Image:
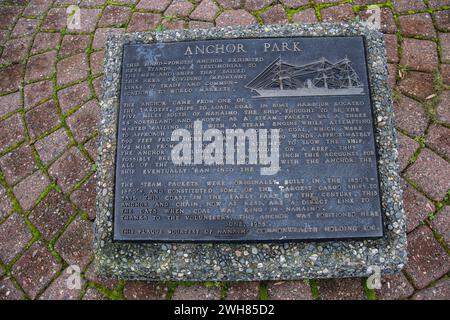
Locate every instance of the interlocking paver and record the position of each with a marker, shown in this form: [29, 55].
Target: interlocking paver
[230, 4]
[97, 59]
[59, 289]
[417, 206]
[305, 16]
[73, 44]
[50, 215]
[84, 121]
[442, 19]
[114, 15]
[235, 18]
[91, 275]
[275, 15]
[35, 269]
[394, 287]
[8, 16]
[341, 289]
[155, 5]
[253, 5]
[37, 7]
[243, 291]
[200, 24]
[72, 69]
[10, 78]
[420, 55]
[42, 119]
[98, 86]
[91, 147]
[417, 84]
[89, 18]
[56, 19]
[139, 290]
[444, 38]
[289, 290]
[100, 36]
[417, 25]
[431, 173]
[69, 169]
[196, 292]
[15, 50]
[390, 41]
[427, 260]
[410, 116]
[11, 132]
[24, 27]
[37, 92]
[143, 21]
[84, 197]
[439, 139]
[387, 19]
[205, 11]
[173, 24]
[45, 41]
[342, 12]
[294, 3]
[180, 8]
[18, 164]
[406, 148]
[28, 190]
[442, 109]
[40, 66]
[9, 103]
[52, 145]
[8, 290]
[14, 236]
[408, 5]
[5, 203]
[441, 224]
[439, 291]
[73, 96]
[75, 244]
[93, 294]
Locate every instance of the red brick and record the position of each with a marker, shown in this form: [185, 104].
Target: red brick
[91, 147]
[253, 5]
[9, 103]
[442, 109]
[8, 16]
[40, 66]
[154, 5]
[410, 116]
[72, 69]
[91, 275]
[390, 41]
[437, 3]
[305, 16]
[417, 84]
[75, 245]
[205, 11]
[406, 149]
[173, 24]
[59, 289]
[431, 173]
[35, 269]
[180, 8]
[11, 132]
[92, 3]
[73, 96]
[275, 15]
[8, 290]
[235, 18]
[18, 164]
[417, 25]
[37, 7]
[100, 36]
[73, 44]
[56, 19]
[229, 4]
[338, 13]
[114, 15]
[10, 78]
[196, 292]
[84, 121]
[15, 50]
[289, 290]
[439, 291]
[140, 290]
[51, 214]
[341, 289]
[392, 72]
[294, 3]
[417, 206]
[439, 139]
[387, 19]
[408, 5]
[69, 169]
[243, 291]
[143, 21]
[28, 190]
[200, 24]
[442, 20]
[441, 223]
[98, 86]
[445, 72]
[89, 19]
[428, 261]
[444, 38]
[394, 288]
[45, 41]
[84, 197]
[37, 92]
[420, 55]
[42, 119]
[24, 27]
[97, 59]
[5, 203]
[52, 145]
[14, 236]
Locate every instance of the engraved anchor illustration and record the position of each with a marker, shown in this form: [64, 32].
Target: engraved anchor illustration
[317, 78]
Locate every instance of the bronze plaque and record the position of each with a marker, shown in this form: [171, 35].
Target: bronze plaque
[246, 140]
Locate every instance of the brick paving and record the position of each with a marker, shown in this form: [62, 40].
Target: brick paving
[50, 86]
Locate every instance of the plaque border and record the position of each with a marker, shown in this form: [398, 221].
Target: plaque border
[252, 261]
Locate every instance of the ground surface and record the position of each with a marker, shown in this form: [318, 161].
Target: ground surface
[50, 84]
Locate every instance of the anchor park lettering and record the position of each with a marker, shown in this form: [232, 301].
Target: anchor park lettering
[220, 48]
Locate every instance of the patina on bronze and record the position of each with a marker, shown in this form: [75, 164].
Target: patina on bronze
[313, 91]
